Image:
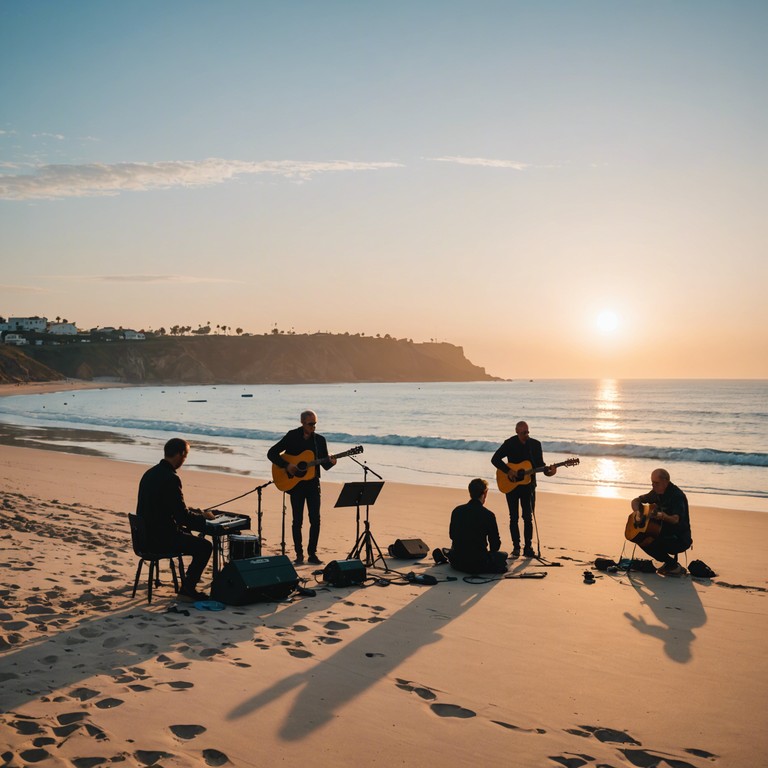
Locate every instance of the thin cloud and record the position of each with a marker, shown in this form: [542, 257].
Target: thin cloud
[48, 182]
[23, 288]
[187, 279]
[484, 162]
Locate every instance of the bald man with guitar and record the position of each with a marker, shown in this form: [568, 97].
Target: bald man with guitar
[297, 459]
[517, 461]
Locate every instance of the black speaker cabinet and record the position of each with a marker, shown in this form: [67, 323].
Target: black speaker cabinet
[260, 579]
[344, 573]
[411, 549]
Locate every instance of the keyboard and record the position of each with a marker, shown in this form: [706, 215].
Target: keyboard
[223, 523]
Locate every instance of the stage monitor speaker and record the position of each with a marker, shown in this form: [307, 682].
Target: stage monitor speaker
[260, 579]
[344, 573]
[411, 549]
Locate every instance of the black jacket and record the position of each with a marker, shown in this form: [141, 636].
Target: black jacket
[474, 533]
[515, 452]
[161, 505]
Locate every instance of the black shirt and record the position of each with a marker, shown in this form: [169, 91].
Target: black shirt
[161, 505]
[516, 451]
[295, 443]
[672, 502]
[473, 533]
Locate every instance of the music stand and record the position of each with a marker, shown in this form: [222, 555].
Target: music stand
[353, 495]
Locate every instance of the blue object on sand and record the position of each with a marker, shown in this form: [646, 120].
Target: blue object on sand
[209, 605]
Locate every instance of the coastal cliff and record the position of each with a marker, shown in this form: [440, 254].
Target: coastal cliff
[18, 368]
[268, 359]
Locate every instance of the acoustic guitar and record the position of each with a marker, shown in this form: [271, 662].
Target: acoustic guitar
[524, 472]
[645, 530]
[305, 467]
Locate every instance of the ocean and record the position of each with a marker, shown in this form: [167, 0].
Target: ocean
[711, 435]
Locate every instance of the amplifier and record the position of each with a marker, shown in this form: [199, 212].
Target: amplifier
[344, 573]
[408, 549]
[260, 579]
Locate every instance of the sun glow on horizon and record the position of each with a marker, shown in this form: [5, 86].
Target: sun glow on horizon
[607, 322]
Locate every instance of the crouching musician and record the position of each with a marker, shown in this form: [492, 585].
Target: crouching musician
[662, 530]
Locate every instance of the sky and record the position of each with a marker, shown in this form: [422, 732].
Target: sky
[564, 189]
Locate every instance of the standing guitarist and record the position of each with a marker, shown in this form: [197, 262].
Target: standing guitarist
[669, 506]
[517, 449]
[294, 443]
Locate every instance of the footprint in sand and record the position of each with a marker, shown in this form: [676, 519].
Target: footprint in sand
[83, 694]
[13, 625]
[700, 753]
[374, 655]
[63, 731]
[26, 727]
[147, 757]
[34, 755]
[328, 640]
[71, 717]
[420, 690]
[187, 731]
[335, 625]
[517, 727]
[452, 710]
[214, 757]
[112, 642]
[299, 653]
[179, 684]
[89, 762]
[577, 761]
[109, 703]
[606, 735]
[91, 632]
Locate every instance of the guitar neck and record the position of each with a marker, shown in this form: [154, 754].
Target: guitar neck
[542, 469]
[316, 462]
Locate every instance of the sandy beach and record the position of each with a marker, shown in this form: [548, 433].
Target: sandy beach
[633, 670]
[628, 671]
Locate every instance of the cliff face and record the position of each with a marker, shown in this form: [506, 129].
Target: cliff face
[274, 359]
[17, 368]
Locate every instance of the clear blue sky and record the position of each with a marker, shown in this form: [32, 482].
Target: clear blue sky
[494, 174]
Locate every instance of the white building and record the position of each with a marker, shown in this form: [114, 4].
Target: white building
[37, 324]
[63, 329]
[130, 335]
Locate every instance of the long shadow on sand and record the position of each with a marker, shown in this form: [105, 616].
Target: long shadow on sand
[364, 662]
[677, 607]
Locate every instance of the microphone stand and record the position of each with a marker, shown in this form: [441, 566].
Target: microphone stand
[258, 490]
[366, 470]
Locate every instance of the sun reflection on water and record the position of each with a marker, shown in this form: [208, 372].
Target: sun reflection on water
[607, 476]
[607, 427]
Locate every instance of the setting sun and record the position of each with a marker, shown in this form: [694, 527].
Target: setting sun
[607, 322]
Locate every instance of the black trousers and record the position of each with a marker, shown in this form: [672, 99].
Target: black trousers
[484, 562]
[523, 497]
[664, 548]
[306, 491]
[200, 550]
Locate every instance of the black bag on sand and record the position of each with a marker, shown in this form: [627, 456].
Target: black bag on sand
[438, 555]
[604, 563]
[700, 569]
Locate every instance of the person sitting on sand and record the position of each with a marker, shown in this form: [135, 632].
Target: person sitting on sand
[671, 508]
[167, 520]
[475, 540]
